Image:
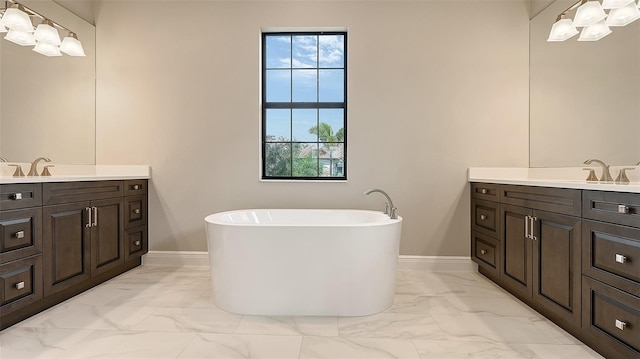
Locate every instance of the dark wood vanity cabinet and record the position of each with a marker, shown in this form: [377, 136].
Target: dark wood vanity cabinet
[82, 235]
[573, 255]
[485, 227]
[611, 271]
[541, 249]
[20, 246]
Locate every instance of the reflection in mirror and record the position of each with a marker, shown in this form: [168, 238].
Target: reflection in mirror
[584, 96]
[47, 104]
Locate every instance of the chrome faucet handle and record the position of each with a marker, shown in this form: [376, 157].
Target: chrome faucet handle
[386, 208]
[622, 176]
[592, 175]
[45, 171]
[18, 172]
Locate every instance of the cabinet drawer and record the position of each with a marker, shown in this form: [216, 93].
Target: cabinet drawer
[611, 253]
[135, 187]
[136, 242]
[485, 217]
[486, 191]
[69, 192]
[484, 251]
[614, 207]
[20, 234]
[20, 283]
[557, 200]
[612, 315]
[14, 196]
[135, 211]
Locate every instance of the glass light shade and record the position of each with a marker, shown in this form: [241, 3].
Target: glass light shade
[16, 19]
[623, 16]
[615, 4]
[72, 46]
[594, 32]
[47, 49]
[589, 13]
[21, 38]
[47, 34]
[562, 30]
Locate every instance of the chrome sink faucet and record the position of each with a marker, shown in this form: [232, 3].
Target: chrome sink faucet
[2, 159]
[389, 208]
[606, 175]
[33, 171]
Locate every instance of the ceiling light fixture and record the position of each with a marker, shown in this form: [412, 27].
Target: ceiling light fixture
[21, 38]
[72, 46]
[46, 33]
[594, 20]
[16, 18]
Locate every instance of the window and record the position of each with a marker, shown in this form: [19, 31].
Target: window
[304, 106]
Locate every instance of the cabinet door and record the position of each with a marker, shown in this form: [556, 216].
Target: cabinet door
[515, 270]
[107, 249]
[66, 246]
[556, 265]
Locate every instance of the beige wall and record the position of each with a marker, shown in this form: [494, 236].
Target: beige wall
[434, 87]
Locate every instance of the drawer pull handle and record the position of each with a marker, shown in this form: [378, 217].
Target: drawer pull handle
[19, 234]
[483, 217]
[135, 187]
[484, 191]
[136, 211]
[620, 258]
[20, 285]
[88, 224]
[137, 243]
[482, 251]
[16, 196]
[620, 324]
[623, 209]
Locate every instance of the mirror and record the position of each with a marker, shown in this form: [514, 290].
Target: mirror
[584, 96]
[47, 104]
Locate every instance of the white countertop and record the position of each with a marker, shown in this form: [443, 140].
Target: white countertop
[76, 173]
[565, 177]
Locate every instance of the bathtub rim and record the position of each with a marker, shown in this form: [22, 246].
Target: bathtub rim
[209, 219]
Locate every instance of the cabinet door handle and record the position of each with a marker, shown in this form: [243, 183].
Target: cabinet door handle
[620, 258]
[482, 251]
[623, 209]
[483, 217]
[137, 243]
[19, 234]
[135, 187]
[88, 224]
[533, 219]
[484, 191]
[20, 285]
[95, 216]
[620, 324]
[136, 211]
[526, 227]
[15, 196]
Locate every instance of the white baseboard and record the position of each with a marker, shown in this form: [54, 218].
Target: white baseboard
[405, 262]
[176, 258]
[437, 263]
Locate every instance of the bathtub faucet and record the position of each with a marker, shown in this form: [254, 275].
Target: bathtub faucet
[388, 207]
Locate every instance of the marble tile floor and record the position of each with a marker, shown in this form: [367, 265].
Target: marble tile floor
[168, 312]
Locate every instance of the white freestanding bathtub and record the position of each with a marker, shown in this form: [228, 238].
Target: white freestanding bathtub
[303, 261]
